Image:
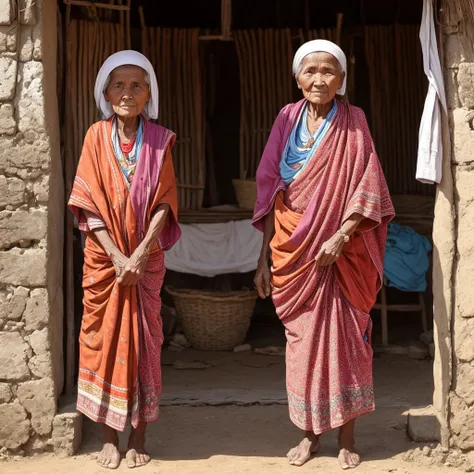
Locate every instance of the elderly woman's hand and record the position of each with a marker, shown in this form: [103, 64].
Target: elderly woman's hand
[134, 268]
[330, 251]
[262, 279]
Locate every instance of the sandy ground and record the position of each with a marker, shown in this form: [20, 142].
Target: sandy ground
[231, 439]
[238, 422]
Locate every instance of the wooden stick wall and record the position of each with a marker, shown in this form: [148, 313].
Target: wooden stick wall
[398, 88]
[265, 58]
[174, 54]
[266, 84]
[88, 46]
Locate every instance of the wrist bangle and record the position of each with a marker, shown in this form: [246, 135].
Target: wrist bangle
[344, 236]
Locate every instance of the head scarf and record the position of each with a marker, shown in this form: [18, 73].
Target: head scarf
[125, 58]
[322, 46]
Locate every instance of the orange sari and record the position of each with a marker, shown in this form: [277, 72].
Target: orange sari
[121, 334]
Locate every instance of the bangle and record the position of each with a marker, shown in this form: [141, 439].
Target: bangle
[343, 235]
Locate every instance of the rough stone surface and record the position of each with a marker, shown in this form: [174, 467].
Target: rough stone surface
[28, 12]
[6, 12]
[37, 444]
[13, 305]
[12, 192]
[26, 159]
[462, 135]
[29, 100]
[67, 433]
[8, 38]
[23, 267]
[465, 243]
[14, 426]
[41, 365]
[8, 70]
[461, 423]
[22, 225]
[13, 357]
[26, 44]
[463, 337]
[423, 425]
[5, 393]
[464, 380]
[452, 96]
[37, 43]
[37, 310]
[41, 190]
[39, 342]
[7, 119]
[37, 397]
[469, 463]
[466, 84]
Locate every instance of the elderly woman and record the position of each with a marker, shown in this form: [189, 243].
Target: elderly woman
[324, 207]
[125, 201]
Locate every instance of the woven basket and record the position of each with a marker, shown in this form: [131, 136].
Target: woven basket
[212, 320]
[246, 192]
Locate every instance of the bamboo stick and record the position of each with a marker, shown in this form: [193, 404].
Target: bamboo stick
[128, 33]
[340, 17]
[243, 101]
[105, 6]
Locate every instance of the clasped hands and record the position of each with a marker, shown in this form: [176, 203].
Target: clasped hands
[129, 270]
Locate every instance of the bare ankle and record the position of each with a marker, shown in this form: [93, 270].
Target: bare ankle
[110, 435]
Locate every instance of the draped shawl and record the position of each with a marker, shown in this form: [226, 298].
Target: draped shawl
[121, 334]
[325, 310]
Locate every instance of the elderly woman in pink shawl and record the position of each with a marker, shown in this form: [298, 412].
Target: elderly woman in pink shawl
[324, 207]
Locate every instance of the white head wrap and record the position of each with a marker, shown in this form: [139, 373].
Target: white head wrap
[322, 46]
[125, 58]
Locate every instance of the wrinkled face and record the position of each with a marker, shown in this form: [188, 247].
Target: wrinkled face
[127, 91]
[320, 77]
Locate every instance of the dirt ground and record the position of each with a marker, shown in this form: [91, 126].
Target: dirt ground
[247, 440]
[232, 418]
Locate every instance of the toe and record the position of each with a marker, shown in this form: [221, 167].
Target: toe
[301, 459]
[131, 458]
[354, 460]
[343, 459]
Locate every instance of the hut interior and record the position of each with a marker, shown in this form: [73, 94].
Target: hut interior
[224, 72]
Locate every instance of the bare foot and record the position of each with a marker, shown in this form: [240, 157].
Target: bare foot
[109, 457]
[303, 452]
[136, 455]
[348, 458]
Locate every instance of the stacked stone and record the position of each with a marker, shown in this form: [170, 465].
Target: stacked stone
[459, 67]
[27, 391]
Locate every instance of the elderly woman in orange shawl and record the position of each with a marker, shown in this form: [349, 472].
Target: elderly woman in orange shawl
[125, 201]
[324, 207]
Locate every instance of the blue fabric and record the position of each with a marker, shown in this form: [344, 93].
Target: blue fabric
[134, 154]
[406, 258]
[294, 152]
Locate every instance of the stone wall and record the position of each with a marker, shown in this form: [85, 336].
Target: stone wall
[31, 226]
[459, 283]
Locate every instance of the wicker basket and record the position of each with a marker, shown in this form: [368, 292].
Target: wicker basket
[246, 192]
[212, 320]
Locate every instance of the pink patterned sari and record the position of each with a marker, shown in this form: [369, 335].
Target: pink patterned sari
[325, 310]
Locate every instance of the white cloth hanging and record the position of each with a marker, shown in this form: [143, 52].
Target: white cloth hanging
[430, 140]
[216, 249]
